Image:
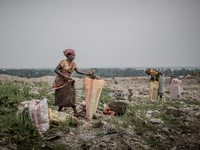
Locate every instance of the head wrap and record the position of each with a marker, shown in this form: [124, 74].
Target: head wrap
[148, 70]
[69, 51]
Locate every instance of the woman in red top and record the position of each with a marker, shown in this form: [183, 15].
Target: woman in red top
[65, 95]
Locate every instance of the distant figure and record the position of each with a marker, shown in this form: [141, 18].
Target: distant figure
[170, 81]
[158, 76]
[65, 95]
[130, 96]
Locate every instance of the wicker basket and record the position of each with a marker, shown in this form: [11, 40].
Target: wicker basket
[118, 107]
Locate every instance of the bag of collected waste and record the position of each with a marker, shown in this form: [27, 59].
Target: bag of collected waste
[93, 90]
[175, 89]
[154, 91]
[58, 117]
[38, 113]
[161, 80]
[23, 107]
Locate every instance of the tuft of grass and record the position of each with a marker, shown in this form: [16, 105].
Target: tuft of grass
[18, 129]
[54, 129]
[59, 146]
[11, 95]
[97, 124]
[171, 120]
[151, 140]
[130, 119]
[168, 119]
[105, 97]
[167, 102]
[191, 102]
[40, 84]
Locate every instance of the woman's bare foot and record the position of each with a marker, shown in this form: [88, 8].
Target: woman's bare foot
[60, 108]
[78, 114]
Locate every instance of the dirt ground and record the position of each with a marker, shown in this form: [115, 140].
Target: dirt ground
[139, 85]
[79, 137]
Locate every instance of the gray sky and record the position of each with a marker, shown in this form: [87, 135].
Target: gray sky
[104, 33]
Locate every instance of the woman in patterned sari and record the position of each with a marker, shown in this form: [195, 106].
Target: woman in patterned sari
[65, 95]
[158, 76]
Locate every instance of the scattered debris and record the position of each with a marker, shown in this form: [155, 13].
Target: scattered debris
[118, 107]
[88, 137]
[156, 121]
[174, 111]
[57, 117]
[103, 136]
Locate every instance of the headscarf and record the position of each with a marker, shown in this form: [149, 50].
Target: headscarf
[148, 70]
[69, 51]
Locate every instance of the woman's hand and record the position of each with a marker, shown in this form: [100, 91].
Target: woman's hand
[80, 72]
[66, 77]
[152, 79]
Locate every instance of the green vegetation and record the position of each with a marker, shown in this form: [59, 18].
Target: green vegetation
[166, 102]
[11, 94]
[131, 72]
[28, 72]
[105, 97]
[97, 124]
[135, 118]
[195, 72]
[101, 72]
[191, 102]
[19, 129]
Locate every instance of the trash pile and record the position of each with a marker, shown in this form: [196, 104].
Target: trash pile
[119, 94]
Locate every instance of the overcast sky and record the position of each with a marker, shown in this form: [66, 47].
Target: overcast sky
[104, 33]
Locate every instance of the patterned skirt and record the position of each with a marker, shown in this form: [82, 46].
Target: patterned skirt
[66, 96]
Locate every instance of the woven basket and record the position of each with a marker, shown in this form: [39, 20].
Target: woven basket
[118, 107]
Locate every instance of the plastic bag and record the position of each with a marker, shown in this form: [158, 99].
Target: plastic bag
[23, 107]
[57, 117]
[161, 80]
[175, 90]
[38, 112]
[93, 90]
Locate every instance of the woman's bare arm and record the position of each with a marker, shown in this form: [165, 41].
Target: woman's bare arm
[58, 72]
[80, 72]
[152, 78]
